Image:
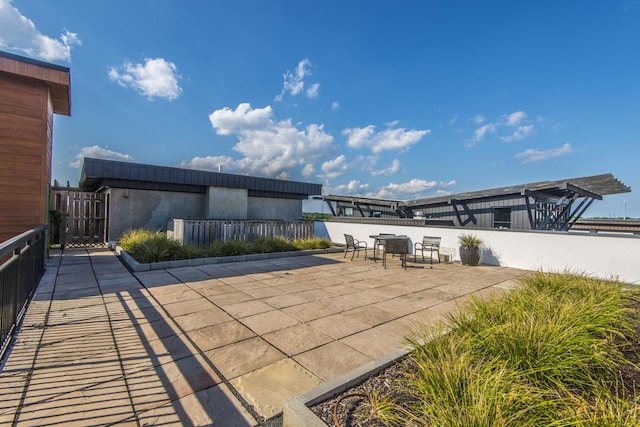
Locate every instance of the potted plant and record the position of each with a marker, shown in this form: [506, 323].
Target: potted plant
[469, 249]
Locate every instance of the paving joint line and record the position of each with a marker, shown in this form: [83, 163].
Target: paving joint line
[115, 343]
[23, 396]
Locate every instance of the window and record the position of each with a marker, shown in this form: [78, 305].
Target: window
[501, 217]
[348, 211]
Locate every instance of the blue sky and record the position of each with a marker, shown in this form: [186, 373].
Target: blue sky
[399, 100]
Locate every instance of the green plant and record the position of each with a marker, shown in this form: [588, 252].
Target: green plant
[468, 239]
[149, 246]
[270, 244]
[547, 353]
[308, 244]
[227, 248]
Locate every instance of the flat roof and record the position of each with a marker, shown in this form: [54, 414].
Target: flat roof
[56, 77]
[594, 186]
[97, 173]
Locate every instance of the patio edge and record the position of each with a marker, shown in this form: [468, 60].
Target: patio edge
[296, 412]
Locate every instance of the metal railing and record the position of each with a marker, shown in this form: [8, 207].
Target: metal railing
[22, 260]
[203, 232]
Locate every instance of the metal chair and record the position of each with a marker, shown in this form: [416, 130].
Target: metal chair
[354, 245]
[428, 243]
[395, 247]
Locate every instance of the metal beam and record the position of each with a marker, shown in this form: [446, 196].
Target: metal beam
[581, 212]
[529, 214]
[581, 191]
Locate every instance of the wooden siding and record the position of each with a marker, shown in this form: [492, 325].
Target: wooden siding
[57, 79]
[31, 92]
[24, 154]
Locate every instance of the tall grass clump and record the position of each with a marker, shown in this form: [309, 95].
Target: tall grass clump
[547, 353]
[265, 245]
[227, 248]
[307, 244]
[146, 246]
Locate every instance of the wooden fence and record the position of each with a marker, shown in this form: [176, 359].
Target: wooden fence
[202, 232]
[77, 218]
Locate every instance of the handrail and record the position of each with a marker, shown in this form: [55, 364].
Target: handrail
[22, 260]
[16, 242]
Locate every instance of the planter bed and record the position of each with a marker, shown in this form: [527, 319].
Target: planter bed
[136, 266]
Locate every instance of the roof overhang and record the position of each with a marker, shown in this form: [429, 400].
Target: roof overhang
[591, 186]
[100, 173]
[55, 77]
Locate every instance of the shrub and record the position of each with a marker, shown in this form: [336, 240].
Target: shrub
[270, 244]
[548, 353]
[307, 244]
[228, 248]
[148, 246]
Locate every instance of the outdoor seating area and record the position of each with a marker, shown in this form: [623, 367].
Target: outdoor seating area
[222, 344]
[393, 245]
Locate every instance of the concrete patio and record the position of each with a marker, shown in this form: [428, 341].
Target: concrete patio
[221, 344]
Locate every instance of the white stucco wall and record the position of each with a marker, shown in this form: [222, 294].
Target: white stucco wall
[605, 256]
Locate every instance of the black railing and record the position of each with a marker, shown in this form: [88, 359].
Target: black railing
[22, 261]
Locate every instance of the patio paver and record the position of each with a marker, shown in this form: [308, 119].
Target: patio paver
[221, 344]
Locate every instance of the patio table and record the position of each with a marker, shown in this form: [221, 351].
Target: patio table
[377, 238]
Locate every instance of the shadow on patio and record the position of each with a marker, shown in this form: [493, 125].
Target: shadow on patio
[224, 343]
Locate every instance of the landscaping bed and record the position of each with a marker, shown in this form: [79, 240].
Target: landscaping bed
[560, 350]
[143, 250]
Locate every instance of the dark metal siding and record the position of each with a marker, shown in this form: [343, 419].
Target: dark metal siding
[98, 172]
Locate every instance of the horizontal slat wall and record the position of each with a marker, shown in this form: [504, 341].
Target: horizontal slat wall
[203, 232]
[25, 144]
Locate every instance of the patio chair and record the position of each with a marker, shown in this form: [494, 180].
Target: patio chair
[430, 243]
[354, 245]
[395, 247]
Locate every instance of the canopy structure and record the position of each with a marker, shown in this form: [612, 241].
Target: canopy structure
[546, 205]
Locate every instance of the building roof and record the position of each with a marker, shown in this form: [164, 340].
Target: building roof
[99, 173]
[594, 186]
[56, 77]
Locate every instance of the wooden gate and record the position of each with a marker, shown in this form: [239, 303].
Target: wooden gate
[77, 218]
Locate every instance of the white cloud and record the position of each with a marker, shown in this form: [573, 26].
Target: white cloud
[506, 122]
[269, 147]
[335, 105]
[243, 120]
[97, 152]
[388, 139]
[533, 155]
[294, 82]
[412, 189]
[332, 169]
[156, 78]
[308, 170]
[520, 133]
[19, 33]
[478, 119]
[353, 188]
[393, 168]
[514, 119]
[480, 133]
[312, 92]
